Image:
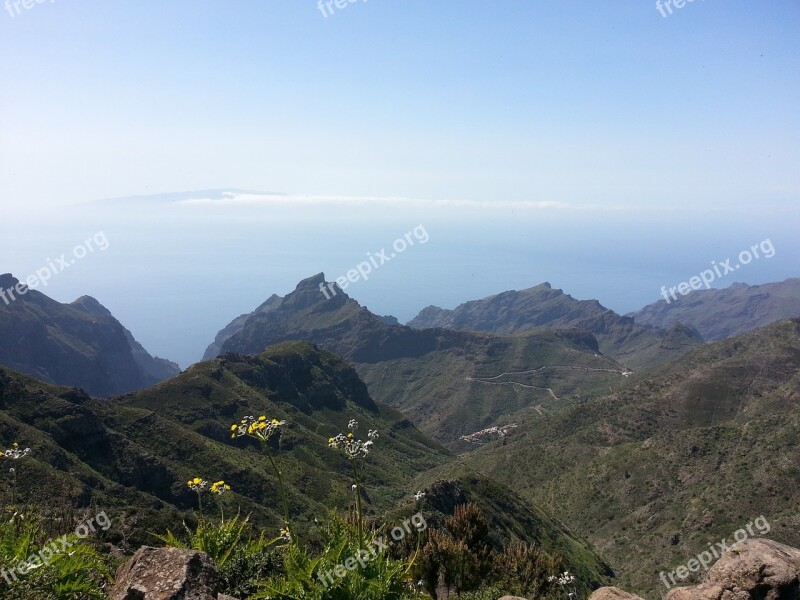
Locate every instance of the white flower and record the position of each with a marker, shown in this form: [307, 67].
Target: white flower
[373, 434]
[352, 425]
[14, 453]
[419, 496]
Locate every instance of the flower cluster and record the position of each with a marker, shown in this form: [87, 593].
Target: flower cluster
[565, 578]
[197, 485]
[14, 453]
[419, 496]
[261, 428]
[200, 485]
[352, 447]
[478, 436]
[219, 488]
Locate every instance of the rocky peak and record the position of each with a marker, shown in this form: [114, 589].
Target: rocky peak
[91, 306]
[8, 281]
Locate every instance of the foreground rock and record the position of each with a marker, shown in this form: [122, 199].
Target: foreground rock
[167, 574]
[612, 593]
[753, 569]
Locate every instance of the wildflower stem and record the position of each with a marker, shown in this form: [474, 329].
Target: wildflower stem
[280, 483]
[360, 523]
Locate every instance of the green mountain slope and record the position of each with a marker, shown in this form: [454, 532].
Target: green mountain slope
[675, 460]
[542, 307]
[153, 441]
[449, 383]
[133, 454]
[718, 314]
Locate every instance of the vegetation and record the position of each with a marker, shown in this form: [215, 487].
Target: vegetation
[266, 481]
[681, 457]
[432, 375]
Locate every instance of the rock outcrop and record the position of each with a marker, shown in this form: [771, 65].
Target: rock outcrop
[613, 593]
[167, 574]
[754, 569]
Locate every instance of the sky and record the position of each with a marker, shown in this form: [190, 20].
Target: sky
[599, 146]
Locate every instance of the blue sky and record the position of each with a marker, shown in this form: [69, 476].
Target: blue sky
[596, 145]
[593, 102]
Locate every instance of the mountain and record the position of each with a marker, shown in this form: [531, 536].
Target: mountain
[542, 307]
[133, 455]
[79, 344]
[450, 383]
[672, 461]
[154, 367]
[719, 314]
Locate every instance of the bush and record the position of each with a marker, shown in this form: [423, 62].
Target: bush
[243, 560]
[336, 573]
[78, 574]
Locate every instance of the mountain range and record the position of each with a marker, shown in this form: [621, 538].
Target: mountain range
[649, 435]
[450, 383]
[718, 314]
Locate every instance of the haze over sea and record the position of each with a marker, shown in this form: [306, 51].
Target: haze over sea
[178, 271]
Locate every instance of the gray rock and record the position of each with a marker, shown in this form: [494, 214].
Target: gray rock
[612, 593]
[756, 568]
[167, 574]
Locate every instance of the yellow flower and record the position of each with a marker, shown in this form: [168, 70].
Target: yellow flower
[197, 484]
[220, 487]
[234, 427]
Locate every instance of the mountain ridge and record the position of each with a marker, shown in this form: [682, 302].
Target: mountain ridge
[79, 344]
[721, 313]
[436, 376]
[544, 307]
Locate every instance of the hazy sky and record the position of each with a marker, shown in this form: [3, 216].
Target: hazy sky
[586, 102]
[597, 145]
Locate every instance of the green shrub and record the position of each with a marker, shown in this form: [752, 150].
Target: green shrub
[76, 573]
[242, 558]
[325, 576]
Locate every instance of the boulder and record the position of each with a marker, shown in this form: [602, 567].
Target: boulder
[612, 593]
[751, 570]
[167, 574]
